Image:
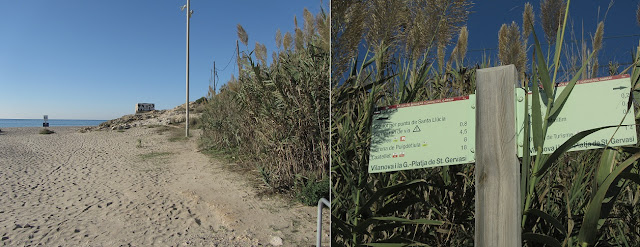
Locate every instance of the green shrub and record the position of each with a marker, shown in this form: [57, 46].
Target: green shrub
[201, 100]
[312, 191]
[194, 122]
[46, 131]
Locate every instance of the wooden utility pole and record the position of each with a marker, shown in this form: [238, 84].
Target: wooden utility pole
[238, 57]
[498, 207]
[214, 78]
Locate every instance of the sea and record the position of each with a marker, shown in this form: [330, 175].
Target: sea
[7, 123]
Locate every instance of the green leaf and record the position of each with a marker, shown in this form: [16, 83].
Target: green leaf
[363, 226]
[559, 38]
[421, 79]
[621, 235]
[555, 222]
[601, 175]
[340, 227]
[635, 73]
[559, 102]
[380, 194]
[394, 207]
[566, 146]
[635, 94]
[630, 149]
[526, 153]
[408, 221]
[540, 238]
[588, 232]
[536, 115]
[392, 244]
[543, 71]
[386, 244]
[385, 227]
[366, 63]
[607, 162]
[610, 197]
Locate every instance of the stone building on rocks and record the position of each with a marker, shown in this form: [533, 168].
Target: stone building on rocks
[145, 107]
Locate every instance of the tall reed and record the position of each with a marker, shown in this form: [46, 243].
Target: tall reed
[275, 117]
[568, 198]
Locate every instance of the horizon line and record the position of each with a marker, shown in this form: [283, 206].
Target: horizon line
[53, 119]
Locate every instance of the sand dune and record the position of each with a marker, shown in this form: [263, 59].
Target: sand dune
[100, 189]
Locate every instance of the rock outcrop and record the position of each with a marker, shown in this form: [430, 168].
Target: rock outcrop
[157, 117]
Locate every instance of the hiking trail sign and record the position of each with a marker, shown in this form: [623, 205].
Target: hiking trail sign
[423, 134]
[442, 132]
[593, 103]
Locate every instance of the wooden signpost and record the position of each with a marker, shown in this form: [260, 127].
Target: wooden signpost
[498, 207]
[486, 128]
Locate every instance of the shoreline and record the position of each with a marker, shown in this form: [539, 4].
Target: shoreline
[36, 130]
[50, 127]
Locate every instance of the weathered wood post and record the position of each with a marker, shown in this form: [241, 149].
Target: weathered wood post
[498, 209]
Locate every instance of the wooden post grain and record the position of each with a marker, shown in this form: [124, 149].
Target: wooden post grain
[498, 210]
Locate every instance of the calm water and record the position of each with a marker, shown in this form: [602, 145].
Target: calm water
[52, 122]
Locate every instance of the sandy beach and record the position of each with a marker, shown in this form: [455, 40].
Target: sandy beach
[134, 188]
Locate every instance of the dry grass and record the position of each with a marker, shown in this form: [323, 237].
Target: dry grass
[275, 118]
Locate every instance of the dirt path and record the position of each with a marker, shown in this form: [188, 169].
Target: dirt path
[134, 188]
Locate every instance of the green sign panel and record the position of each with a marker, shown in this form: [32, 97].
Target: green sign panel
[423, 134]
[593, 103]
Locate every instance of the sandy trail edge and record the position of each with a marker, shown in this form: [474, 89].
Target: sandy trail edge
[100, 189]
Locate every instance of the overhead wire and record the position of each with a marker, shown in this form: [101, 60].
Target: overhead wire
[215, 71]
[230, 59]
[570, 41]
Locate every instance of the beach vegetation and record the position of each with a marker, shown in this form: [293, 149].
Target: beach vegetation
[176, 134]
[312, 190]
[179, 137]
[230, 156]
[199, 108]
[139, 143]
[584, 198]
[46, 131]
[161, 129]
[274, 116]
[201, 100]
[194, 122]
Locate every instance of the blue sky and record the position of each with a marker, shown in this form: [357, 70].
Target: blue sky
[77, 59]
[621, 31]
